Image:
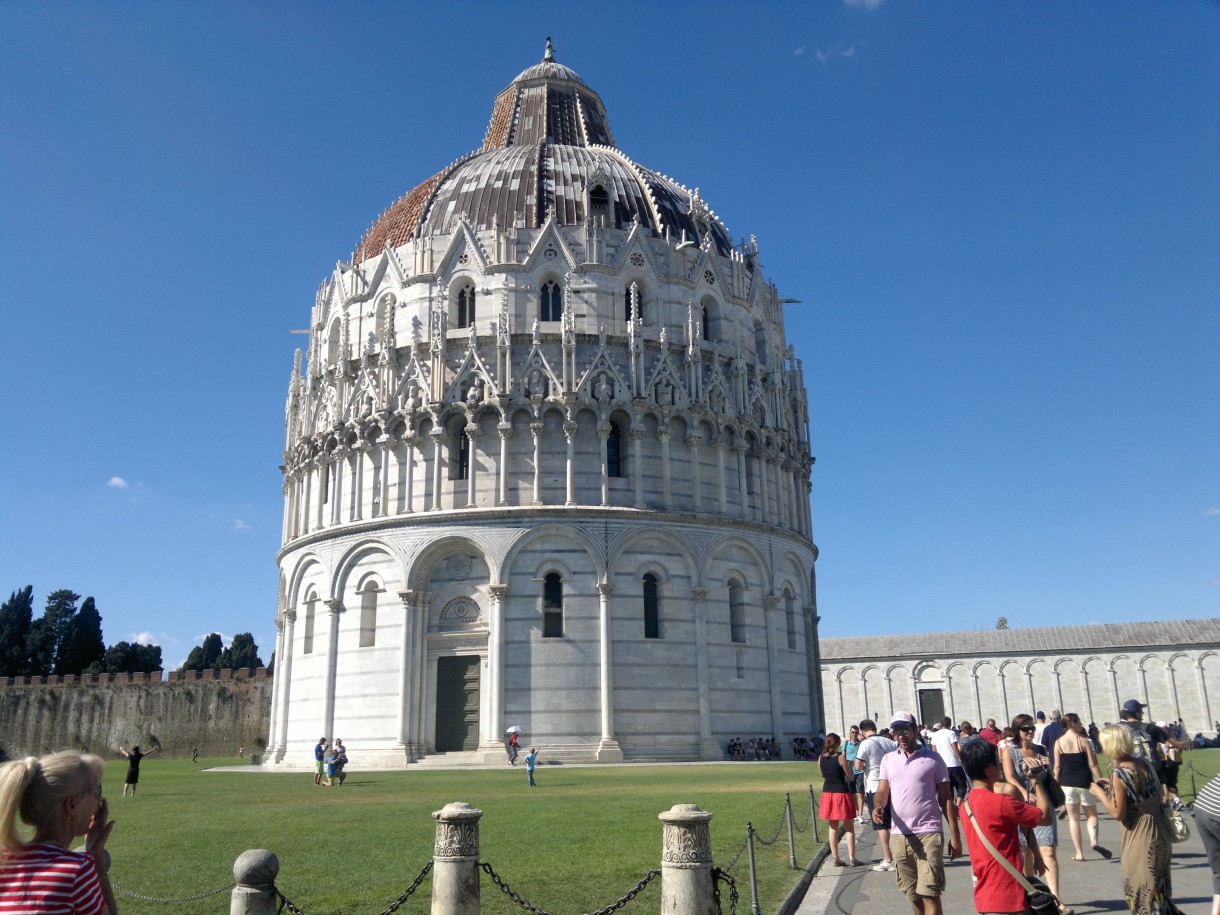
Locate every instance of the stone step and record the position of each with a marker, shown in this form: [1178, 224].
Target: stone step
[453, 760]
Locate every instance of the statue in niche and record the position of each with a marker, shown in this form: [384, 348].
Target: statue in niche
[366, 406]
[474, 395]
[413, 399]
[603, 392]
[716, 399]
[665, 392]
[537, 388]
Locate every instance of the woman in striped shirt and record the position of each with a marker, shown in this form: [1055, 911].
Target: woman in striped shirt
[61, 797]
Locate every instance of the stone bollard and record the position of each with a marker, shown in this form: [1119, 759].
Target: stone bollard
[686, 862]
[254, 872]
[455, 861]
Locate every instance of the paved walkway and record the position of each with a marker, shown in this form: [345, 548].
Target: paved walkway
[1090, 886]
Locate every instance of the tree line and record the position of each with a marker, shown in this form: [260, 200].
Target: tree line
[67, 639]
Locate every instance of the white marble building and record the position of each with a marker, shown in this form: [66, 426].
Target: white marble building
[1092, 670]
[546, 464]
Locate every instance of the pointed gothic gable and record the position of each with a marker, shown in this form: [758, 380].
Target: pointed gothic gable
[462, 242]
[471, 369]
[705, 269]
[643, 254]
[665, 386]
[535, 371]
[416, 380]
[717, 392]
[587, 388]
[364, 397]
[549, 237]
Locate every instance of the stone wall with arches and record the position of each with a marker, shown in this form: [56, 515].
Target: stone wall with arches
[1172, 665]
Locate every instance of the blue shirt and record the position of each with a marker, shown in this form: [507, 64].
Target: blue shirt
[530, 759]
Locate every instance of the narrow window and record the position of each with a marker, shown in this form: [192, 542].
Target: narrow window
[652, 621]
[599, 204]
[552, 302]
[737, 616]
[741, 664]
[790, 617]
[633, 301]
[706, 325]
[459, 460]
[614, 451]
[307, 639]
[465, 303]
[552, 606]
[368, 615]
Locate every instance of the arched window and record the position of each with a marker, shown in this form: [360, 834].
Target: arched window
[614, 451]
[311, 606]
[760, 340]
[368, 615]
[706, 324]
[552, 606]
[652, 615]
[737, 612]
[599, 205]
[465, 306]
[790, 617]
[631, 291]
[552, 302]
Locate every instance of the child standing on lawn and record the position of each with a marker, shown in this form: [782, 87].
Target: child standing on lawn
[531, 759]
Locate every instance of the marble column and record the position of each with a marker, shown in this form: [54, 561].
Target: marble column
[636, 435]
[283, 669]
[813, 651]
[438, 467]
[569, 434]
[472, 464]
[332, 667]
[603, 438]
[773, 620]
[708, 747]
[277, 684]
[506, 432]
[743, 482]
[721, 494]
[608, 749]
[693, 442]
[407, 663]
[409, 441]
[536, 429]
[493, 736]
[667, 493]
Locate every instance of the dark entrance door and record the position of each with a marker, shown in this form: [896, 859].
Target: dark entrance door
[931, 706]
[457, 704]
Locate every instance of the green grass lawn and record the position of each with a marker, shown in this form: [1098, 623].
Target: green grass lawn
[578, 842]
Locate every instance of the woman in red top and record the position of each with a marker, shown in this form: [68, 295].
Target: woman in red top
[838, 806]
[61, 797]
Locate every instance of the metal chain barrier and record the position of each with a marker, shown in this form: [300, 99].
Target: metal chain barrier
[394, 906]
[778, 829]
[737, 857]
[142, 898]
[722, 876]
[631, 894]
[507, 890]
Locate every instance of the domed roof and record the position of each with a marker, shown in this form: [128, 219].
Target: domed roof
[548, 151]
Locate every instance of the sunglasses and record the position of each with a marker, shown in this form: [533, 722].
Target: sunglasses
[1028, 729]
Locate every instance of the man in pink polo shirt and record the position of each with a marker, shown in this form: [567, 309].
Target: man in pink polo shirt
[915, 782]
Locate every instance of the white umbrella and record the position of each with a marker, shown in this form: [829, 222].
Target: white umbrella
[515, 729]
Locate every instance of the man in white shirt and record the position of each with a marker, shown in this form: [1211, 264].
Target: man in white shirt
[1039, 726]
[868, 760]
[944, 742]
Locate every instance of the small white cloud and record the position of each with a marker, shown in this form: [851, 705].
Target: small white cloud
[1211, 512]
[144, 638]
[866, 5]
[799, 51]
[835, 52]
[116, 483]
[241, 527]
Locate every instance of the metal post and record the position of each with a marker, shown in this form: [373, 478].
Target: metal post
[686, 862]
[254, 872]
[455, 869]
[753, 872]
[791, 842]
[813, 816]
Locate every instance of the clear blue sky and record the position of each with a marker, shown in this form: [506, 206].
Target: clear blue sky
[1003, 220]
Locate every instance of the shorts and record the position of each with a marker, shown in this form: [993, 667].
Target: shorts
[1208, 826]
[887, 821]
[1082, 796]
[958, 781]
[858, 785]
[919, 863]
[321, 767]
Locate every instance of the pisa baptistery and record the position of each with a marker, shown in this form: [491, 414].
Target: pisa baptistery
[546, 466]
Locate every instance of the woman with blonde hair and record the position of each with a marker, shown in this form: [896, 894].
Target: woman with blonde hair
[1076, 769]
[1132, 795]
[61, 797]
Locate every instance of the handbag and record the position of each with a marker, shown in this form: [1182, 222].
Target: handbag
[1178, 830]
[1054, 790]
[1038, 896]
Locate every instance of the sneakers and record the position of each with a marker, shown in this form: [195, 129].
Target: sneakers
[883, 866]
[860, 820]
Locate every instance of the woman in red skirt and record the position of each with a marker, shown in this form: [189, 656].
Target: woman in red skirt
[837, 806]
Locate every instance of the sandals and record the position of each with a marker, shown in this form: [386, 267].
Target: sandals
[839, 862]
[1103, 851]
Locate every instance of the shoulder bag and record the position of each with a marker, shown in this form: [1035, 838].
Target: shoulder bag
[1178, 830]
[1038, 896]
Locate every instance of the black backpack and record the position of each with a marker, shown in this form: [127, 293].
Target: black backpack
[1146, 746]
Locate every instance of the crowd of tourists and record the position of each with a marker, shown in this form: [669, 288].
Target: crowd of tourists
[760, 748]
[1004, 792]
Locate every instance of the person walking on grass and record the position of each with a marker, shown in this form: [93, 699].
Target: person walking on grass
[531, 760]
[915, 780]
[133, 768]
[1076, 769]
[319, 760]
[838, 806]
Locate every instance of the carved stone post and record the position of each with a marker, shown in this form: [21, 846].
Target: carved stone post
[254, 872]
[686, 862]
[455, 861]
